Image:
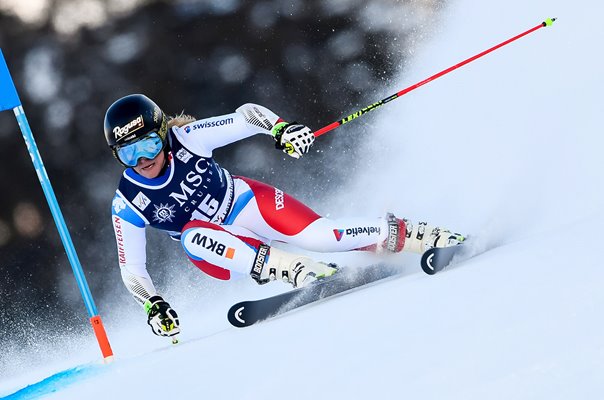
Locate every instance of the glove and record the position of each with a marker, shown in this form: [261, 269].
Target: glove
[162, 319]
[294, 139]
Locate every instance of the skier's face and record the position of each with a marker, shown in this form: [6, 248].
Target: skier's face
[150, 168]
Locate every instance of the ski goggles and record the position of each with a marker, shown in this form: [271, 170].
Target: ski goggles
[149, 146]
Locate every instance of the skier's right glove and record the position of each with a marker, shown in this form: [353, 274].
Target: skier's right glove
[162, 319]
[294, 139]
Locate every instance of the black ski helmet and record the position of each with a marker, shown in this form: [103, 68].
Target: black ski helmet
[131, 118]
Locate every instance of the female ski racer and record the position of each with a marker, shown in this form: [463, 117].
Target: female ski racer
[226, 224]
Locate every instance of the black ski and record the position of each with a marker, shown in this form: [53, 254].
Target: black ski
[247, 313]
[437, 258]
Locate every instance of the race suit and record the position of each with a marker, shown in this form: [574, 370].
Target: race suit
[220, 219]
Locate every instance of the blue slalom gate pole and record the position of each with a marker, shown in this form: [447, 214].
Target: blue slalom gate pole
[9, 99]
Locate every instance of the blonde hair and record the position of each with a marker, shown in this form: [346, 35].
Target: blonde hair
[180, 120]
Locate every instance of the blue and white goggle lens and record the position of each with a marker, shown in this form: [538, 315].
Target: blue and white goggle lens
[148, 146]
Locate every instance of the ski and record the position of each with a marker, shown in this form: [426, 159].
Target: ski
[437, 258]
[247, 313]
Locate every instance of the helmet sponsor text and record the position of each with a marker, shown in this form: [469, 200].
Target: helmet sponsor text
[134, 125]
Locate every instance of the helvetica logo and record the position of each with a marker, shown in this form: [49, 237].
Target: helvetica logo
[339, 233]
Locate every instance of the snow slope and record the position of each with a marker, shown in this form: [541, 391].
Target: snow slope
[514, 143]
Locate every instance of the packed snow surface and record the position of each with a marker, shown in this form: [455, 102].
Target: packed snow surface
[507, 149]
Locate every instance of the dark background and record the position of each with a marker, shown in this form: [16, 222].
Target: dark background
[310, 61]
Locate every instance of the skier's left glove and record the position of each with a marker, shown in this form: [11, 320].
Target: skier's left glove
[294, 139]
[162, 319]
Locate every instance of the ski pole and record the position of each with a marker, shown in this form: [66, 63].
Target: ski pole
[371, 107]
[9, 99]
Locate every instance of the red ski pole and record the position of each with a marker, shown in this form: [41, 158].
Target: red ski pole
[333, 125]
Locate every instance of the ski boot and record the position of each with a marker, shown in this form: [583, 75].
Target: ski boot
[404, 236]
[272, 263]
